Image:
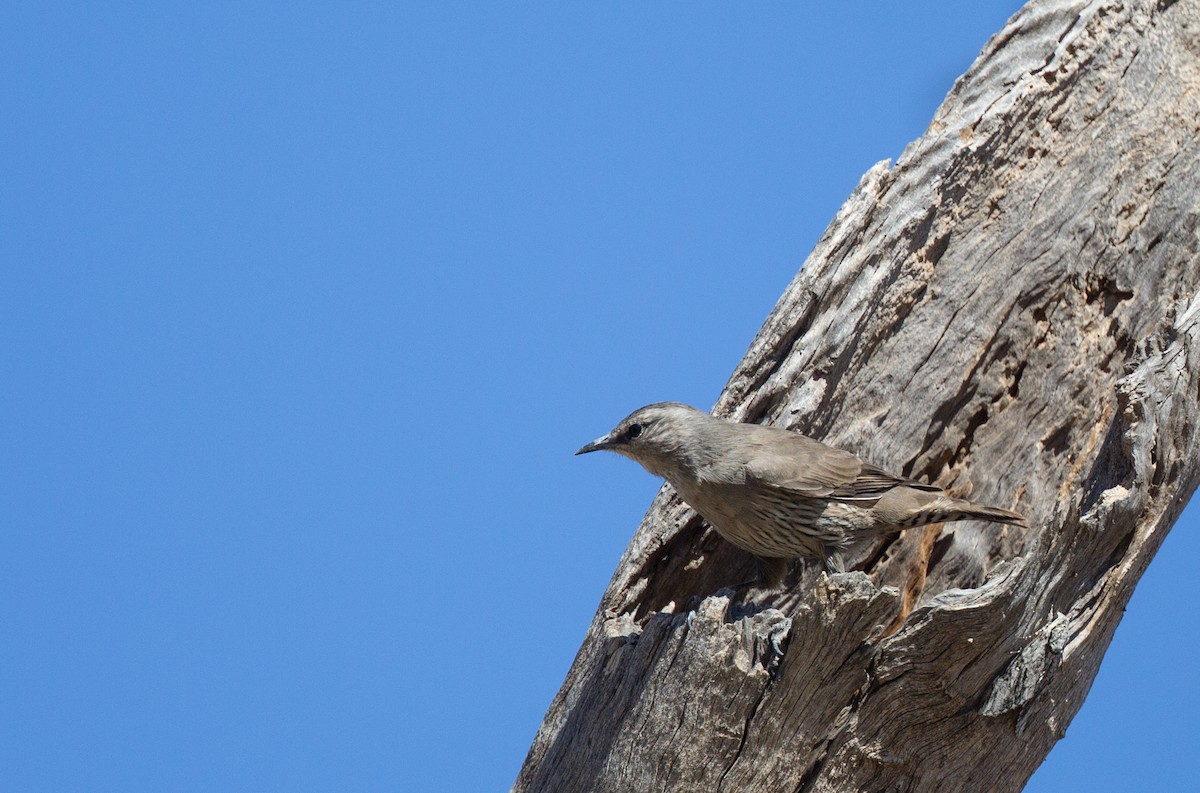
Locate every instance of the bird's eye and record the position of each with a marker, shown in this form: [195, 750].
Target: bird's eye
[633, 431]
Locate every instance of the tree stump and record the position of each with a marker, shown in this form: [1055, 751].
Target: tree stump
[1010, 311]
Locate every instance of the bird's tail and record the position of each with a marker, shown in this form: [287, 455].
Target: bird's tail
[906, 507]
[946, 508]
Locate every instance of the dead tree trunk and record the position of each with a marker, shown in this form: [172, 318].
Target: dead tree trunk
[1011, 311]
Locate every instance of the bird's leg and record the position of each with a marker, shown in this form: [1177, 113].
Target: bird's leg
[771, 573]
[833, 561]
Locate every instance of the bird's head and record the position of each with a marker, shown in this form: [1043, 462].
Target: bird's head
[655, 436]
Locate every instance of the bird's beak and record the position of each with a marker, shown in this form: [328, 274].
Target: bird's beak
[600, 443]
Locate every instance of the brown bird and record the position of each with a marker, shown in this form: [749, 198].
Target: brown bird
[776, 493]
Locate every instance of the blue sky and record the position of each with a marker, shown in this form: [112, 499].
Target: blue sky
[305, 309]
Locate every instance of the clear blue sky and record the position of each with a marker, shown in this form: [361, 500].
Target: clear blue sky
[304, 310]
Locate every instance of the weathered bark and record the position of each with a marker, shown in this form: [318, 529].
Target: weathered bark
[1012, 311]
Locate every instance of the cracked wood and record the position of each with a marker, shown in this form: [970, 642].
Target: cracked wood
[1011, 311]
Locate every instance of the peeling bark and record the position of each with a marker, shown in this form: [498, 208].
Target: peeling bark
[1011, 311]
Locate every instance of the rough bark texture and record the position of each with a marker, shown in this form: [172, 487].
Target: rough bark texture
[1011, 311]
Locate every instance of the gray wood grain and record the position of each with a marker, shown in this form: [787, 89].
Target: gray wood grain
[1012, 311]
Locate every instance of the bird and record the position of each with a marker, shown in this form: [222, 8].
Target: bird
[778, 494]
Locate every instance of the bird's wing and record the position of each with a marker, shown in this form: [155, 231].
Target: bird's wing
[873, 482]
[801, 466]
